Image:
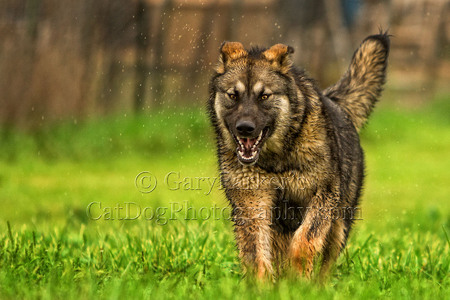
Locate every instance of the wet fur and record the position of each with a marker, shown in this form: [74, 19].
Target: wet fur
[312, 158]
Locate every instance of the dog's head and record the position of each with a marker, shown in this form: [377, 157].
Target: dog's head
[251, 99]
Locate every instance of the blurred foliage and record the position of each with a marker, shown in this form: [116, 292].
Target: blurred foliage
[164, 132]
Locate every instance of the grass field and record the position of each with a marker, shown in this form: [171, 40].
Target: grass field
[57, 242]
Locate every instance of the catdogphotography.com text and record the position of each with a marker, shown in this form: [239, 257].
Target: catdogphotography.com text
[130, 211]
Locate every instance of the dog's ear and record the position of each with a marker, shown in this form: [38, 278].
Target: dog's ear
[230, 51]
[279, 56]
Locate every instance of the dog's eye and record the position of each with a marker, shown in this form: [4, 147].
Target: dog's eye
[265, 97]
[232, 96]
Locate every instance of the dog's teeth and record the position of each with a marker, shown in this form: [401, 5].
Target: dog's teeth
[257, 140]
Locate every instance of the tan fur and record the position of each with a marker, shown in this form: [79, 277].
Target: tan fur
[310, 165]
[277, 55]
[360, 87]
[230, 51]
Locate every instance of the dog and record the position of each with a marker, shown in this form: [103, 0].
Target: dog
[289, 154]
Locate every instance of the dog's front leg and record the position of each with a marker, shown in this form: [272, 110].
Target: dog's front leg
[309, 239]
[252, 218]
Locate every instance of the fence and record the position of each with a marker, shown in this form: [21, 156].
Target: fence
[72, 59]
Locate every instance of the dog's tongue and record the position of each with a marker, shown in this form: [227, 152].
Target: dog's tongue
[248, 143]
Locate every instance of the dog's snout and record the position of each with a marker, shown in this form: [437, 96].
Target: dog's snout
[245, 127]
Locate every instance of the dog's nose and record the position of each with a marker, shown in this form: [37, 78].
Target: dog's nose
[245, 127]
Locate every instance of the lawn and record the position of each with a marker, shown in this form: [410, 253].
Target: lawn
[76, 224]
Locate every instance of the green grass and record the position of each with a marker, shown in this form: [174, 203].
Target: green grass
[51, 248]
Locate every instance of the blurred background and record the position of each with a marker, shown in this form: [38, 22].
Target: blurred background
[94, 92]
[80, 59]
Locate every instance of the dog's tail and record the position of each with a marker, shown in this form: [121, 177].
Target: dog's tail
[358, 90]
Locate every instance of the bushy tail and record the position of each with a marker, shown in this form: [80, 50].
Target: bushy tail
[358, 90]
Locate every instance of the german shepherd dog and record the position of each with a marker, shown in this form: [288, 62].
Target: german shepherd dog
[289, 154]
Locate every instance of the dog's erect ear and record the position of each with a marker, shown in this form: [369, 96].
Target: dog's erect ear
[230, 51]
[279, 56]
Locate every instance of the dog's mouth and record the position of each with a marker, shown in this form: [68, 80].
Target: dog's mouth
[249, 148]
